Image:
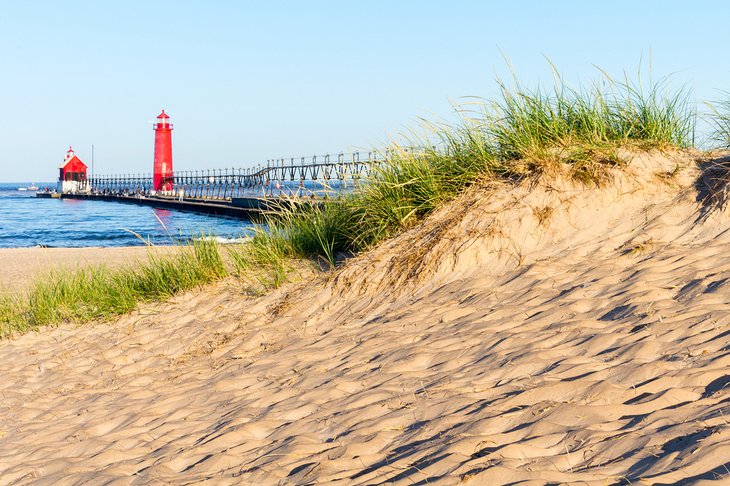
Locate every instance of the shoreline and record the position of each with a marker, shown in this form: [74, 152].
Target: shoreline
[21, 266]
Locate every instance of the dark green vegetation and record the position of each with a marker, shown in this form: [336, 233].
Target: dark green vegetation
[100, 293]
[522, 133]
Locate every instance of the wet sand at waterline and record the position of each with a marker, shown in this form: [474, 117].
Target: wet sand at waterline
[21, 266]
[543, 332]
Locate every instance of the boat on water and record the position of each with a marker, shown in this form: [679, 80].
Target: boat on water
[31, 187]
[48, 194]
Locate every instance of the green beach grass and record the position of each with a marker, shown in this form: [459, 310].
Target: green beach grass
[522, 133]
[720, 120]
[98, 293]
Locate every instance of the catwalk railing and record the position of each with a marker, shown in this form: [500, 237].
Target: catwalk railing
[317, 175]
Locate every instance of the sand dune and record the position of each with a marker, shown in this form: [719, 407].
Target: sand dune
[544, 333]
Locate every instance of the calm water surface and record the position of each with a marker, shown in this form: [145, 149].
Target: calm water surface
[26, 221]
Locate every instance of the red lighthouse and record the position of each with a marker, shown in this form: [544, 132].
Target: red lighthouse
[162, 178]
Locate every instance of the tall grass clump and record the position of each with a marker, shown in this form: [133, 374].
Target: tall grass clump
[542, 126]
[655, 116]
[720, 119]
[412, 184]
[163, 275]
[10, 308]
[82, 295]
[294, 231]
[265, 259]
[100, 293]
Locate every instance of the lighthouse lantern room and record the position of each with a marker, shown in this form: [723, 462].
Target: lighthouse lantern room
[163, 176]
[72, 174]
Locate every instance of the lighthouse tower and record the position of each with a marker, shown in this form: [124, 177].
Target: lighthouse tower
[162, 177]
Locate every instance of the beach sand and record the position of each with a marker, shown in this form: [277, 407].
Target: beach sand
[20, 266]
[547, 332]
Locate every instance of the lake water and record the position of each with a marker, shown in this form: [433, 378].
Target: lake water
[27, 221]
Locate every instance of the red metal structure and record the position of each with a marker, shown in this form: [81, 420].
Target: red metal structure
[162, 177]
[72, 173]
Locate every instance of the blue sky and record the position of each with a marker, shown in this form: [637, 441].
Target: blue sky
[248, 81]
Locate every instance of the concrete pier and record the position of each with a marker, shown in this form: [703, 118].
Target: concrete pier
[249, 208]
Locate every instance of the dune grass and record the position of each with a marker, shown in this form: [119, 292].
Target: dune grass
[97, 292]
[542, 126]
[720, 120]
[293, 232]
[412, 184]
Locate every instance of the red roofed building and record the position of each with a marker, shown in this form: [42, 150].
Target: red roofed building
[72, 173]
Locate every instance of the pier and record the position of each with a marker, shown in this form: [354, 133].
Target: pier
[251, 209]
[243, 193]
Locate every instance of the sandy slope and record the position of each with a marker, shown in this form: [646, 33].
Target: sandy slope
[536, 334]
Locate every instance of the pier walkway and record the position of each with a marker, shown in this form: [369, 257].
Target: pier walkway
[251, 208]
